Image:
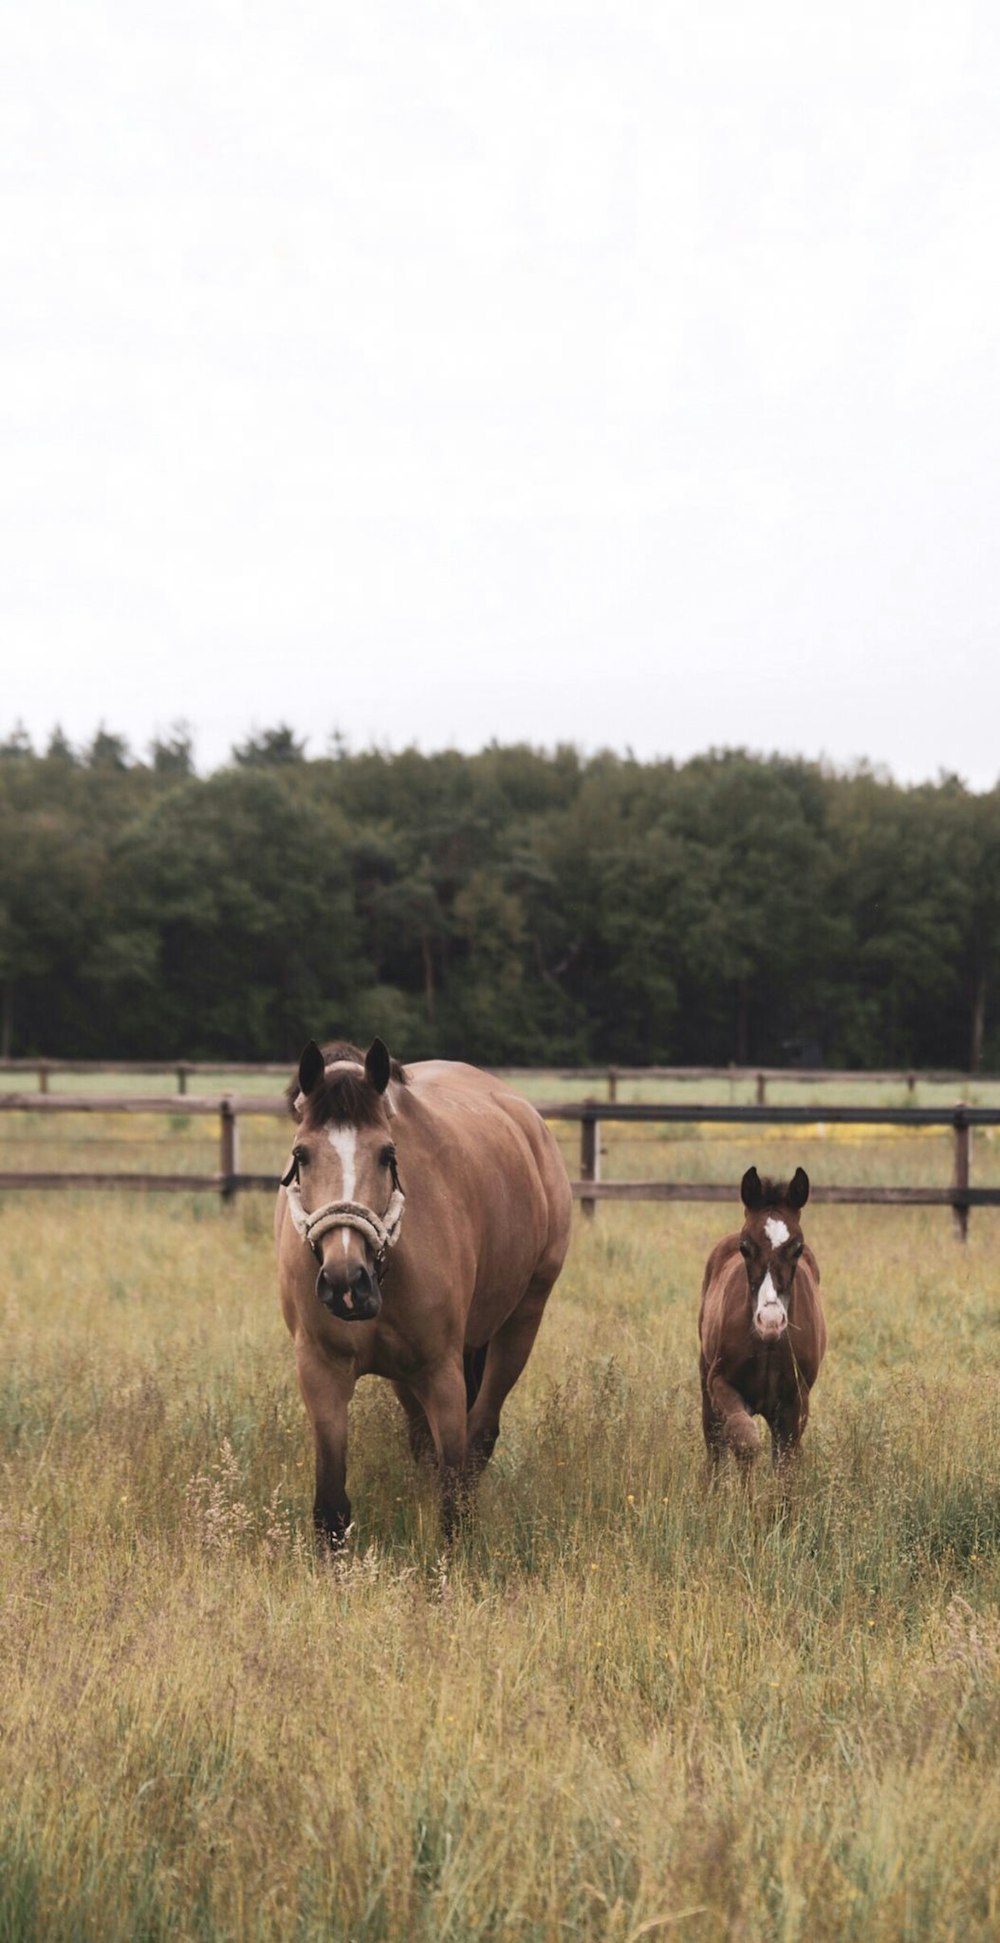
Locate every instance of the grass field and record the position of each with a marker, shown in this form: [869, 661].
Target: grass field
[623, 1708]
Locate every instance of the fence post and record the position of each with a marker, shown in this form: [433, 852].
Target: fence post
[761, 1090]
[963, 1158]
[43, 1076]
[590, 1155]
[229, 1147]
[612, 1083]
[182, 1079]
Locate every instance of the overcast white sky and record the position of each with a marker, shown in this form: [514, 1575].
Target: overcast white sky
[597, 371]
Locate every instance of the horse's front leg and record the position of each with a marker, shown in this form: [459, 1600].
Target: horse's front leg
[737, 1427]
[442, 1393]
[327, 1385]
[787, 1425]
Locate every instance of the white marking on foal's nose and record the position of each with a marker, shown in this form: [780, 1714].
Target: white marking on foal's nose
[344, 1141]
[775, 1231]
[770, 1309]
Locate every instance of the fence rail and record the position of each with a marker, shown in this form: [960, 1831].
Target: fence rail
[590, 1115]
[184, 1070]
[959, 1195]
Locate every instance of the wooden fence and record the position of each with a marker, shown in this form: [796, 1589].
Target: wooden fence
[959, 1194]
[760, 1077]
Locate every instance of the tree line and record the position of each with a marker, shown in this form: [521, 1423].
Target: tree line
[519, 906]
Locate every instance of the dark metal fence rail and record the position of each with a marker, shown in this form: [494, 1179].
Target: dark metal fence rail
[590, 1115]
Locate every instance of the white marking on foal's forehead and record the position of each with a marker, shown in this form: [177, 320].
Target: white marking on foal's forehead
[775, 1231]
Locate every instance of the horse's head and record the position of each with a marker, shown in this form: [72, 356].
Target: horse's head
[770, 1244]
[342, 1184]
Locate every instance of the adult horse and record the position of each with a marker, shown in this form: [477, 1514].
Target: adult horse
[440, 1291]
[761, 1324]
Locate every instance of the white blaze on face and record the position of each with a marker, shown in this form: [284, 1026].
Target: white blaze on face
[775, 1231]
[769, 1314]
[344, 1141]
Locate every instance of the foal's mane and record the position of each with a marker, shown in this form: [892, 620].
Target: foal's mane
[773, 1194]
[347, 1097]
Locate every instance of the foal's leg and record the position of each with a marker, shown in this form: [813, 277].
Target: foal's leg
[737, 1425]
[327, 1385]
[505, 1359]
[787, 1425]
[711, 1423]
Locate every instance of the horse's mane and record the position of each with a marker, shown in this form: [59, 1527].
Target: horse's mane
[347, 1098]
[773, 1194]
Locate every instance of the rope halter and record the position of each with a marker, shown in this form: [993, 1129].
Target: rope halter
[381, 1231]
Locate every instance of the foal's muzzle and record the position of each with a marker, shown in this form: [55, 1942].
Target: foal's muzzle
[353, 1296]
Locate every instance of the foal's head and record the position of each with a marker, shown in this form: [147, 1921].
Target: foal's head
[770, 1244]
[344, 1159]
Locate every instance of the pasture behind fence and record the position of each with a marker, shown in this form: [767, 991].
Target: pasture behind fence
[591, 1115]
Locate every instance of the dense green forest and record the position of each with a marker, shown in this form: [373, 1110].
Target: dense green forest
[515, 906]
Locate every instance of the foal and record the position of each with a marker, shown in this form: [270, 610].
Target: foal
[761, 1325]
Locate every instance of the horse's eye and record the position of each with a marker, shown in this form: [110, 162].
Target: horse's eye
[745, 1250]
[300, 1155]
[387, 1156]
[796, 1250]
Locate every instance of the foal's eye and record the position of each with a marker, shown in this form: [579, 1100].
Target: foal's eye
[745, 1250]
[387, 1156]
[300, 1155]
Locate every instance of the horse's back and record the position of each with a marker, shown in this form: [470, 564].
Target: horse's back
[488, 1151]
[721, 1256]
[486, 1109]
[720, 1293]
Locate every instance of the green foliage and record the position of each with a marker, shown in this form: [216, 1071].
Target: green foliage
[108, 751]
[517, 906]
[173, 755]
[272, 749]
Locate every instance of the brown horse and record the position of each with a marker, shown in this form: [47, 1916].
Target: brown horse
[761, 1324]
[442, 1292]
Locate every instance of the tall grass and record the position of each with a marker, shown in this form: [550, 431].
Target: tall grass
[626, 1706]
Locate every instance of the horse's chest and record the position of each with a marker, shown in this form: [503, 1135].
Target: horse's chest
[773, 1381]
[765, 1379]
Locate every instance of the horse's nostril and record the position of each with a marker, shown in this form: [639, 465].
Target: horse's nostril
[353, 1297]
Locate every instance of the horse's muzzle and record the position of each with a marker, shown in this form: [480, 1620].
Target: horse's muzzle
[351, 1297]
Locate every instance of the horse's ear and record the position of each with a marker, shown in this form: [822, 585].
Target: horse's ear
[378, 1065]
[750, 1189]
[798, 1188]
[312, 1066]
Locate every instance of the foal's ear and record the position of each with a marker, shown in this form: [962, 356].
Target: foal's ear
[378, 1065]
[750, 1189]
[798, 1188]
[312, 1066]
